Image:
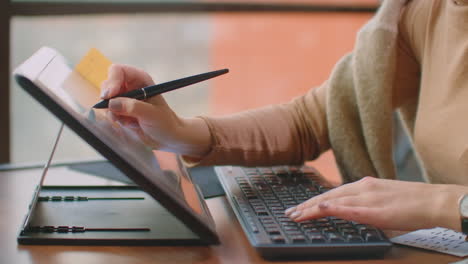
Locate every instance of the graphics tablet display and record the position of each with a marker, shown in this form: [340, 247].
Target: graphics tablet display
[48, 78]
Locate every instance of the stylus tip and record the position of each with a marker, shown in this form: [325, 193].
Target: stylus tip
[102, 104]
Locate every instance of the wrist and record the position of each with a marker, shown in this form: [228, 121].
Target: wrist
[195, 137]
[447, 209]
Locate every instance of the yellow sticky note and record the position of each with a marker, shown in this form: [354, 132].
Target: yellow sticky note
[94, 67]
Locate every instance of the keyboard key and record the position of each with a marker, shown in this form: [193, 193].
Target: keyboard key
[277, 208]
[307, 225]
[310, 233]
[354, 238]
[262, 213]
[266, 218]
[324, 189]
[253, 226]
[334, 238]
[250, 170]
[324, 225]
[290, 224]
[317, 238]
[290, 228]
[371, 236]
[298, 239]
[364, 228]
[289, 204]
[278, 239]
[274, 204]
[346, 226]
[273, 231]
[294, 233]
[329, 230]
[348, 231]
[340, 222]
[269, 223]
[259, 207]
[321, 220]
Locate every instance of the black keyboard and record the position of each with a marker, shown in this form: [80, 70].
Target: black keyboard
[263, 194]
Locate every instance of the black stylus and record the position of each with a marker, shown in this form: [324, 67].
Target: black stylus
[149, 91]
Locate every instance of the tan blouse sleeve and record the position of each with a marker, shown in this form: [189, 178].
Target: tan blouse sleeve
[278, 134]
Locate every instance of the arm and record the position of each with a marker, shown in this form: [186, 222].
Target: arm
[279, 134]
[286, 134]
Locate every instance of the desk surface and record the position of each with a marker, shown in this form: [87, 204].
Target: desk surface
[16, 188]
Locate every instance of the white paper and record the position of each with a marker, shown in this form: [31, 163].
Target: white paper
[437, 239]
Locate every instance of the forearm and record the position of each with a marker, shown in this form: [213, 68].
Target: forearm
[280, 134]
[262, 136]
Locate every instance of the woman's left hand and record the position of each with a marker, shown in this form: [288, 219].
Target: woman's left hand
[387, 204]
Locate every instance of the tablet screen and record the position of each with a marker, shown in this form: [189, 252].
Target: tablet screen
[48, 78]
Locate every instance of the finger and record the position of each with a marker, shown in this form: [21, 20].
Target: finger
[315, 211]
[360, 214]
[123, 78]
[141, 111]
[127, 121]
[157, 100]
[366, 184]
[112, 117]
[115, 80]
[344, 190]
[136, 77]
[122, 120]
[144, 137]
[131, 126]
[132, 123]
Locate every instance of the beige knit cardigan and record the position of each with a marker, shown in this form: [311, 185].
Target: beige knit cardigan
[359, 99]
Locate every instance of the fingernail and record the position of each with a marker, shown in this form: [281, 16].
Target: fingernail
[290, 210]
[115, 105]
[104, 93]
[295, 215]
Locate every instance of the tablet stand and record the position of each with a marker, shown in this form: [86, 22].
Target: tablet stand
[99, 215]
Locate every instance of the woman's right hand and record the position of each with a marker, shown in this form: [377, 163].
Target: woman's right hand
[153, 120]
